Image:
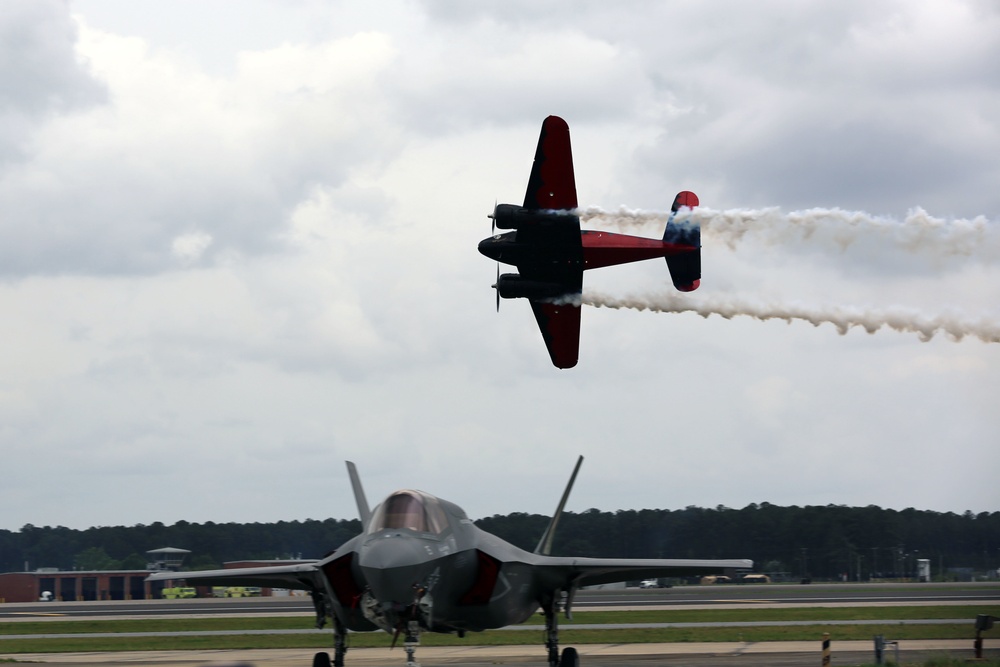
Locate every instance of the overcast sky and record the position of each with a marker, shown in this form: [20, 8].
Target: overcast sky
[238, 246]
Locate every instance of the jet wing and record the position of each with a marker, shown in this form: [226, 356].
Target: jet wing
[562, 573]
[302, 576]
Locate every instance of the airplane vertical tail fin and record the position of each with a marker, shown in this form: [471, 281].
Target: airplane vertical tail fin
[685, 267]
[545, 544]
[359, 496]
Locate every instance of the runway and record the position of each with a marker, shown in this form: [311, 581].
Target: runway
[762, 654]
[691, 597]
[743, 654]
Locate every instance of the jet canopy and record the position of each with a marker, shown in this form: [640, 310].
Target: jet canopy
[410, 509]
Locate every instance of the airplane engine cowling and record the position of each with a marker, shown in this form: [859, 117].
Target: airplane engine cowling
[512, 216]
[515, 286]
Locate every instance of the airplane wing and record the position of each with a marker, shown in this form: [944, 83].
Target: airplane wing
[560, 327]
[552, 186]
[302, 576]
[567, 573]
[559, 317]
[563, 573]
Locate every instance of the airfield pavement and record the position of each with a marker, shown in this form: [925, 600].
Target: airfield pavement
[705, 654]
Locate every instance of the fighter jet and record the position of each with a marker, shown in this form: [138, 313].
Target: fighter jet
[420, 564]
[551, 252]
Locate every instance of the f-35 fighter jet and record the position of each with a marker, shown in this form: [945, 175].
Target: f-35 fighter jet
[420, 564]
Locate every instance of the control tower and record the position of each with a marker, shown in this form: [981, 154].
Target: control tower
[167, 558]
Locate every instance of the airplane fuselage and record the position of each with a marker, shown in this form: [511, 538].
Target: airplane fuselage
[596, 249]
[453, 579]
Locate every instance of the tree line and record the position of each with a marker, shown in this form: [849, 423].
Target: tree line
[211, 544]
[820, 542]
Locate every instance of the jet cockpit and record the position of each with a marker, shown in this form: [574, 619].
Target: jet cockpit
[410, 509]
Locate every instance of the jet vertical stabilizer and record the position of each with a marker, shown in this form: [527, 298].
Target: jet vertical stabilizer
[359, 496]
[685, 267]
[545, 544]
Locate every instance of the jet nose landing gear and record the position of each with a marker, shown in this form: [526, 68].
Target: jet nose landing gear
[410, 643]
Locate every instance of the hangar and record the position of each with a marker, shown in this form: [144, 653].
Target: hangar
[76, 585]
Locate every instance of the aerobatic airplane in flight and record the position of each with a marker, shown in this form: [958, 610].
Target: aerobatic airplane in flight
[551, 252]
[420, 564]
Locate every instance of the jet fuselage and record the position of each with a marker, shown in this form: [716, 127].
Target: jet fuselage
[438, 569]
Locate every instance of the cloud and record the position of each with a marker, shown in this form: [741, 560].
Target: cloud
[811, 110]
[252, 250]
[189, 247]
[41, 74]
[109, 188]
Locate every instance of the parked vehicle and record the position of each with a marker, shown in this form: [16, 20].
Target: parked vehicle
[242, 592]
[179, 593]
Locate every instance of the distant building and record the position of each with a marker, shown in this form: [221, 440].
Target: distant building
[167, 558]
[227, 591]
[76, 585]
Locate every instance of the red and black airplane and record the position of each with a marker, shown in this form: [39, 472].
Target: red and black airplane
[551, 252]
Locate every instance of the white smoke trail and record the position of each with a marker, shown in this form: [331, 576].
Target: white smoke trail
[917, 232]
[843, 318]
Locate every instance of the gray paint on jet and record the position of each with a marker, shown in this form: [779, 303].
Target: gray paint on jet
[422, 565]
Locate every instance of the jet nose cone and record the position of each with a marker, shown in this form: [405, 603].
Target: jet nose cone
[392, 566]
[389, 552]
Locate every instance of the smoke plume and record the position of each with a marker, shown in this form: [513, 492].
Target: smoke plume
[842, 317]
[917, 232]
